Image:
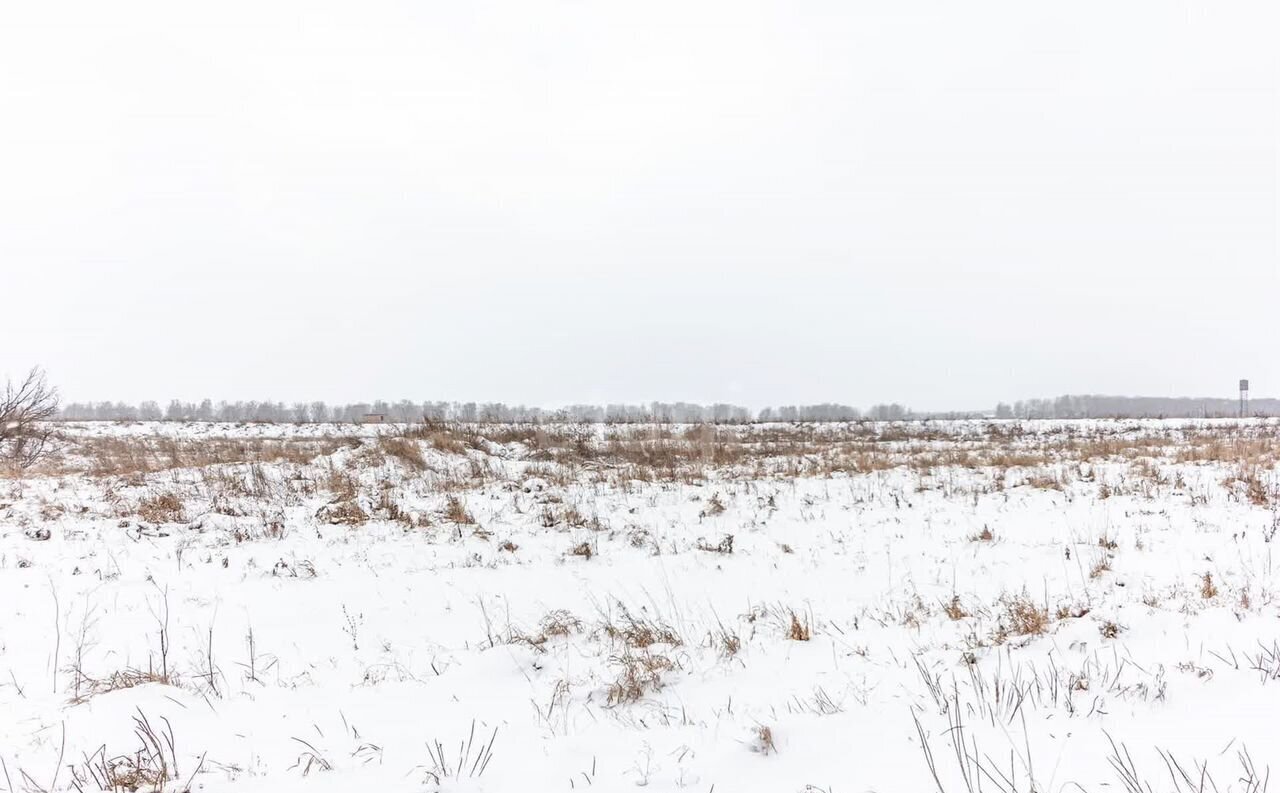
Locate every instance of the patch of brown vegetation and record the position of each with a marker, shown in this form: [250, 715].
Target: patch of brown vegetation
[162, 508]
[343, 512]
[638, 673]
[986, 535]
[1208, 589]
[724, 545]
[799, 630]
[954, 610]
[640, 632]
[406, 450]
[87, 687]
[1022, 617]
[455, 511]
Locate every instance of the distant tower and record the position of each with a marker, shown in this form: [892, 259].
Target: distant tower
[1244, 398]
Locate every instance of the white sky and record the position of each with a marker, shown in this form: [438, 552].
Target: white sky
[937, 203]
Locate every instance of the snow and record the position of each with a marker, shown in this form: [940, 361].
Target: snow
[309, 655]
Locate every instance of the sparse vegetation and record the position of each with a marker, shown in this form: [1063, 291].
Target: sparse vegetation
[638, 673]
[799, 630]
[456, 512]
[1208, 589]
[162, 508]
[1022, 617]
[26, 408]
[418, 555]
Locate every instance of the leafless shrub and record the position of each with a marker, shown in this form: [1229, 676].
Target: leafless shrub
[25, 410]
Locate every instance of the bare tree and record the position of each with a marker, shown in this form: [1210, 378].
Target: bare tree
[25, 410]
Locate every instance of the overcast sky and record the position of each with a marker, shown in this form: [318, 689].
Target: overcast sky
[937, 203]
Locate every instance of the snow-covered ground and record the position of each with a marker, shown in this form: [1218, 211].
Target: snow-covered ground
[1042, 606]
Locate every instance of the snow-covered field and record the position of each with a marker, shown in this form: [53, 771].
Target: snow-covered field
[948, 607]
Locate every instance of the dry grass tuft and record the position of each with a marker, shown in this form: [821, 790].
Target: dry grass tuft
[406, 450]
[555, 624]
[1208, 590]
[343, 512]
[640, 632]
[799, 630]
[87, 687]
[153, 766]
[1022, 617]
[725, 545]
[162, 508]
[727, 641]
[638, 674]
[764, 741]
[714, 506]
[455, 511]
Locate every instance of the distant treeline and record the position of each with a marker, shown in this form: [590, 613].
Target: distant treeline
[1063, 407]
[408, 411]
[1098, 406]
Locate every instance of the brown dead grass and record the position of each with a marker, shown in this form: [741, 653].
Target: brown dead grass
[1022, 617]
[1208, 589]
[86, 687]
[162, 508]
[639, 633]
[455, 511]
[799, 630]
[343, 512]
[638, 674]
[764, 740]
[406, 450]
